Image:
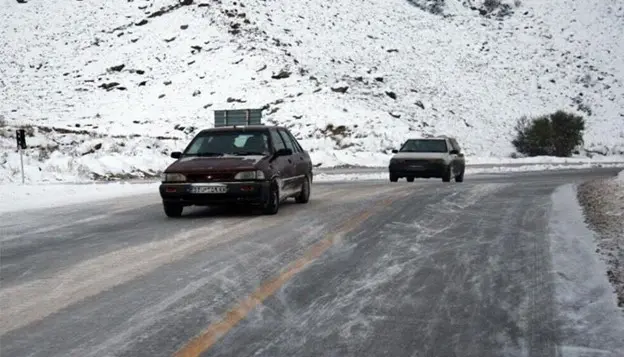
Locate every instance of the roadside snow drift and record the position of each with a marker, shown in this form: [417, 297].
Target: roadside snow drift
[112, 88]
[591, 323]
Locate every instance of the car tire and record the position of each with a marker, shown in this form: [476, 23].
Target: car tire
[271, 205]
[460, 177]
[446, 176]
[173, 210]
[410, 179]
[394, 178]
[304, 195]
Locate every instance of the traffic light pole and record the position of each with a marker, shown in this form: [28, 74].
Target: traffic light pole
[22, 164]
[20, 136]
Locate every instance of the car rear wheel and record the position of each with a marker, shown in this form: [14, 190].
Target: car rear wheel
[410, 179]
[173, 210]
[460, 177]
[394, 178]
[271, 205]
[446, 176]
[304, 195]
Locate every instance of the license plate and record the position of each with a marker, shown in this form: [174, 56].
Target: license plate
[208, 189]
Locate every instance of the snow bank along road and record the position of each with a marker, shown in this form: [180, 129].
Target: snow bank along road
[365, 269]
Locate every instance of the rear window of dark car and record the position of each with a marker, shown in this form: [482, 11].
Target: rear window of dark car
[424, 145]
[215, 143]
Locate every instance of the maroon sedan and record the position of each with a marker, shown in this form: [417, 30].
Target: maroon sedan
[251, 165]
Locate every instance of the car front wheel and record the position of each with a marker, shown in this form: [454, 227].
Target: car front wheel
[394, 178]
[173, 210]
[446, 176]
[460, 177]
[271, 205]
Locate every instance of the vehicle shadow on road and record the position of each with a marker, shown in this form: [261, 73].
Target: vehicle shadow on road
[229, 211]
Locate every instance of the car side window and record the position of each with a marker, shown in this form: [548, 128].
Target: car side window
[278, 143]
[287, 141]
[294, 141]
[455, 145]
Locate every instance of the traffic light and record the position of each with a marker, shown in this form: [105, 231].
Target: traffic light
[20, 135]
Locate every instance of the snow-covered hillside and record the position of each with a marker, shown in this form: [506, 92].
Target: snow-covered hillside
[110, 88]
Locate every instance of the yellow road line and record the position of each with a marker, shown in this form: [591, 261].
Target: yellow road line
[214, 332]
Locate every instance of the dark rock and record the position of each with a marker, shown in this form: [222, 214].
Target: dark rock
[207, 105]
[394, 115]
[262, 68]
[141, 23]
[161, 96]
[281, 74]
[203, 5]
[420, 104]
[136, 122]
[235, 100]
[340, 88]
[167, 83]
[121, 88]
[196, 93]
[117, 68]
[184, 27]
[391, 95]
[142, 83]
[140, 71]
[97, 146]
[482, 12]
[392, 50]
[379, 79]
[109, 86]
[170, 39]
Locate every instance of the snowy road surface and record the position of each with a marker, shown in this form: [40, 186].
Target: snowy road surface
[365, 269]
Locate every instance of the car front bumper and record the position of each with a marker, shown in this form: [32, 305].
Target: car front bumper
[421, 169]
[244, 192]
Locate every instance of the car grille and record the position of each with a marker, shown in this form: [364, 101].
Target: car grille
[419, 162]
[211, 177]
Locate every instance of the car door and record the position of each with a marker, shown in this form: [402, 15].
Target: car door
[295, 180]
[301, 159]
[282, 166]
[458, 159]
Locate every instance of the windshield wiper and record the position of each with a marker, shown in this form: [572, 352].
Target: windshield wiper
[207, 154]
[241, 153]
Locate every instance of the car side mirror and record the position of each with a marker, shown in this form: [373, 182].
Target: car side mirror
[454, 152]
[176, 154]
[395, 151]
[283, 152]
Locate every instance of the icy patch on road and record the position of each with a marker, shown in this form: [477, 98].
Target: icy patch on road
[14, 197]
[591, 323]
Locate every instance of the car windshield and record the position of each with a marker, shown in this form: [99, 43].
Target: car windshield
[219, 143]
[424, 145]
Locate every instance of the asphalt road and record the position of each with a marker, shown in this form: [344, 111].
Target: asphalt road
[364, 269]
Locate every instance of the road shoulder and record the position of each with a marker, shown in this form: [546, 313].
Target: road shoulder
[591, 324]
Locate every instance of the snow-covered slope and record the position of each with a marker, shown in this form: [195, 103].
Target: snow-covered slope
[111, 87]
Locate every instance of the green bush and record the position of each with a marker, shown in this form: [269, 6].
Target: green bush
[555, 134]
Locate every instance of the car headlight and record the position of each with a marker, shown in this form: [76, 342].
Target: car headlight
[173, 178]
[250, 175]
